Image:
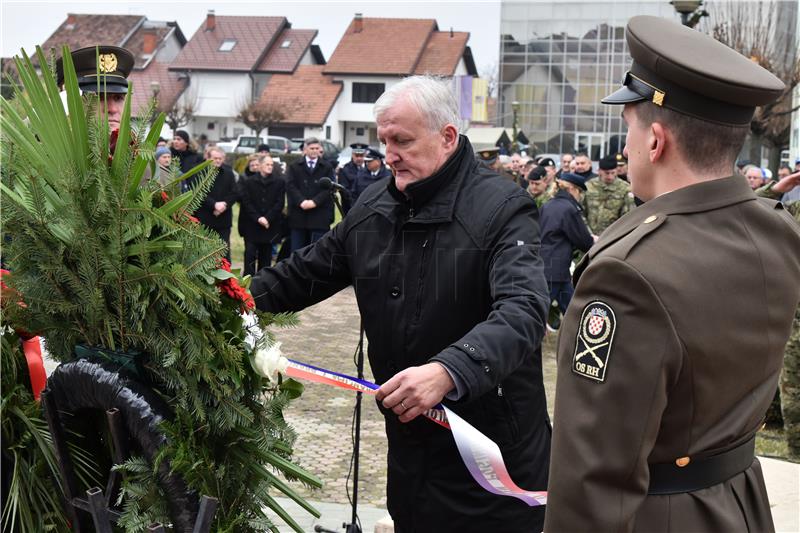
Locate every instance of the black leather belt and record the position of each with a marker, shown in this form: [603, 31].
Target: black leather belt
[669, 478]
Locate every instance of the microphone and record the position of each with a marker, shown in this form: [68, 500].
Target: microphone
[328, 184]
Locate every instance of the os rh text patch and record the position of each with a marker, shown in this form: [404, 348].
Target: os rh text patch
[593, 345]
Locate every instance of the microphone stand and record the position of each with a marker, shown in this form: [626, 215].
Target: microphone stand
[353, 526]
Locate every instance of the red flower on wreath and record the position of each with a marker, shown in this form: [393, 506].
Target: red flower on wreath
[231, 288]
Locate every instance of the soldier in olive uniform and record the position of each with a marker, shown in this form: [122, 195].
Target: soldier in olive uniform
[537, 186]
[790, 377]
[671, 349]
[607, 198]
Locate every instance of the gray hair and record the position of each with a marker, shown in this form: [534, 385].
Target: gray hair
[432, 97]
[311, 140]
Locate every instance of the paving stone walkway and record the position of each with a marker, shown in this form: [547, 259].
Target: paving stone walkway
[327, 337]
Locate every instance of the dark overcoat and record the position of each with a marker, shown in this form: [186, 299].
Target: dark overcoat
[449, 273]
[223, 190]
[303, 184]
[261, 196]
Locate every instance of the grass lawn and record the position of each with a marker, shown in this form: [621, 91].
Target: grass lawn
[770, 442]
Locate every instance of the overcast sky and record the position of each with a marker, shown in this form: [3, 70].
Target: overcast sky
[28, 23]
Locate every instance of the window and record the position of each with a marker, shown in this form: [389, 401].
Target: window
[286, 44]
[227, 45]
[367, 93]
[328, 132]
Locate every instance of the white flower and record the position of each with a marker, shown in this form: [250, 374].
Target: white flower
[268, 362]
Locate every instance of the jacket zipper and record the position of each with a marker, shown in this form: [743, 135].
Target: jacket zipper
[421, 281]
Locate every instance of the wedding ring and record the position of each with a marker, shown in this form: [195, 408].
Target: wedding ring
[403, 405]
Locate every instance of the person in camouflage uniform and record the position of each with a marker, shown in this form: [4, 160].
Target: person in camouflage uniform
[537, 186]
[607, 198]
[790, 377]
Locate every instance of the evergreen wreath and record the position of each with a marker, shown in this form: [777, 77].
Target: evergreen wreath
[110, 262]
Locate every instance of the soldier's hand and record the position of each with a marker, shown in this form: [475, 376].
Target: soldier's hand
[412, 391]
[788, 183]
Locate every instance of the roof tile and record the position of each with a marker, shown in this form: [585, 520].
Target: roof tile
[252, 35]
[307, 95]
[442, 53]
[367, 51]
[280, 59]
[171, 86]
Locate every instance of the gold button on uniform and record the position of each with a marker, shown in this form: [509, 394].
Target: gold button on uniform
[682, 461]
[651, 218]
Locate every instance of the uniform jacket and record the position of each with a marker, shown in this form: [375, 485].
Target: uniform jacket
[563, 232]
[223, 190]
[451, 275]
[702, 286]
[365, 179]
[261, 196]
[301, 184]
[348, 175]
[604, 203]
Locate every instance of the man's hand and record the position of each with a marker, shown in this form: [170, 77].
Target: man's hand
[788, 183]
[219, 208]
[264, 222]
[308, 204]
[414, 390]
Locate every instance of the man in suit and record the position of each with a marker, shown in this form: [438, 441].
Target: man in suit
[672, 346]
[310, 206]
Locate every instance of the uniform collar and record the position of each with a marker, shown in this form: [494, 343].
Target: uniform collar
[704, 196]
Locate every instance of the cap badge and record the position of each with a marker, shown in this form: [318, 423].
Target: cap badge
[108, 63]
[593, 345]
[658, 98]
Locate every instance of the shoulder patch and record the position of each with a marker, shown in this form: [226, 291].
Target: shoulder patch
[593, 344]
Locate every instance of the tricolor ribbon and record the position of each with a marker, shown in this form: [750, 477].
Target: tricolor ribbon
[480, 454]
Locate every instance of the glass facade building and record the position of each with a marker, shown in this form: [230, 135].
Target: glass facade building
[558, 59]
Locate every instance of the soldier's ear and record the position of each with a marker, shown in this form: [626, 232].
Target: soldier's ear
[657, 141]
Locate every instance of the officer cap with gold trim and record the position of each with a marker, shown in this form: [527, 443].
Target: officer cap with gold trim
[489, 155]
[100, 68]
[691, 73]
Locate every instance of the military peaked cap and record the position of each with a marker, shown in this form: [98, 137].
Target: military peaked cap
[373, 154]
[691, 73]
[100, 69]
[489, 155]
[359, 148]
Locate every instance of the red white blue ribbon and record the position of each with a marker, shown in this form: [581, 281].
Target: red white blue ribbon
[480, 454]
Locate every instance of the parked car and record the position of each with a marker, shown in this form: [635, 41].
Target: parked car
[330, 152]
[279, 145]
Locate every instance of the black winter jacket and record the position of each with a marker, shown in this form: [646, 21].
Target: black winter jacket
[563, 232]
[304, 185]
[188, 159]
[261, 196]
[451, 274]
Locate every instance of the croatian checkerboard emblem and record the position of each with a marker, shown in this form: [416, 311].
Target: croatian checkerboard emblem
[593, 345]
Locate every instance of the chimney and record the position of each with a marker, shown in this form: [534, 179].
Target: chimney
[150, 41]
[451, 32]
[71, 20]
[358, 23]
[211, 20]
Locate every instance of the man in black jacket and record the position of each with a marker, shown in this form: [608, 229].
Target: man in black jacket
[310, 206]
[216, 210]
[181, 148]
[444, 261]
